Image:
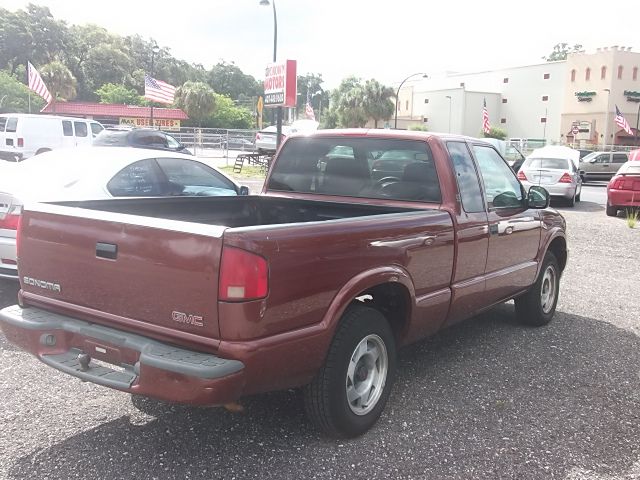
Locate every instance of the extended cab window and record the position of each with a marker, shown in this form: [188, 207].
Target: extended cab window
[500, 184]
[81, 129]
[357, 167]
[467, 177]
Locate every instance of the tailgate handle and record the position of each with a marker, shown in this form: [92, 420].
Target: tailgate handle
[106, 250]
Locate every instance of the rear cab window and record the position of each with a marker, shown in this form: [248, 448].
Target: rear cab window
[366, 167]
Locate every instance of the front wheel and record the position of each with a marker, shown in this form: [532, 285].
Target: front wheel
[351, 389]
[537, 306]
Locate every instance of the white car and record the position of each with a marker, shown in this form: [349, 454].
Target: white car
[266, 139]
[24, 135]
[97, 173]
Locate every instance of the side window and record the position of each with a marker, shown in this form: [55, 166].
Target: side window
[467, 177]
[172, 142]
[81, 129]
[67, 128]
[96, 128]
[619, 158]
[3, 122]
[604, 158]
[12, 125]
[189, 177]
[500, 184]
[139, 179]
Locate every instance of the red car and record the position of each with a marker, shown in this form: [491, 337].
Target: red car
[623, 190]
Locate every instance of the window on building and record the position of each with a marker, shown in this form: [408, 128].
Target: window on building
[587, 74]
[620, 68]
[547, 76]
[426, 100]
[503, 120]
[543, 120]
[406, 105]
[573, 75]
[635, 73]
[425, 119]
[462, 84]
[603, 73]
[545, 98]
[505, 80]
[504, 100]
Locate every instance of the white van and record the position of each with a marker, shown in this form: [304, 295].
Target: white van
[24, 135]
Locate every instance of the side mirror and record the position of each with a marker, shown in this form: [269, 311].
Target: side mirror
[244, 191]
[538, 197]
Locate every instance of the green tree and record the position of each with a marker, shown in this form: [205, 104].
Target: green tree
[113, 93]
[60, 82]
[15, 39]
[561, 50]
[197, 99]
[14, 96]
[495, 132]
[228, 115]
[227, 79]
[311, 85]
[348, 101]
[378, 103]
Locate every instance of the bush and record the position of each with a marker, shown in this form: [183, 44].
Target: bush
[495, 132]
[418, 127]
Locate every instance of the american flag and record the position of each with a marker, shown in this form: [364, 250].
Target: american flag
[622, 122]
[157, 90]
[308, 110]
[36, 84]
[486, 127]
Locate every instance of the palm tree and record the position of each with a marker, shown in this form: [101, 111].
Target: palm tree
[197, 99]
[60, 82]
[378, 103]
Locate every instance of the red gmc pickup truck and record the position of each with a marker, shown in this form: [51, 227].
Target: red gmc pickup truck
[362, 241]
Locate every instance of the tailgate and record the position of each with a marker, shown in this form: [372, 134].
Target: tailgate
[147, 274]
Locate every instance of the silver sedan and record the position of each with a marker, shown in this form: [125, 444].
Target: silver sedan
[559, 176]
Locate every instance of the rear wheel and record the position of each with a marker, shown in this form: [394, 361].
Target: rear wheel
[571, 202]
[611, 211]
[43, 150]
[351, 389]
[537, 306]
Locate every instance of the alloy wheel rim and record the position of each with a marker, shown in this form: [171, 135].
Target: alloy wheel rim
[548, 290]
[366, 374]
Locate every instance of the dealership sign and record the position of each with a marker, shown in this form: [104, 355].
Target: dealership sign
[161, 123]
[280, 84]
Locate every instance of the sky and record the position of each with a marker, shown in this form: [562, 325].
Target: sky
[385, 40]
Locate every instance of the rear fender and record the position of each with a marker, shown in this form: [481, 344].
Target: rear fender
[360, 283]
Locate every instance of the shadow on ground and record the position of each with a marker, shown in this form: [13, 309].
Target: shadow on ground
[485, 399]
[579, 207]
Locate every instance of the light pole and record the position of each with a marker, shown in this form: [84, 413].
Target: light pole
[154, 49]
[395, 117]
[266, 3]
[606, 120]
[449, 97]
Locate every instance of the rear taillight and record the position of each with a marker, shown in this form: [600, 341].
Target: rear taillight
[625, 183]
[18, 235]
[521, 175]
[566, 178]
[617, 183]
[243, 276]
[20, 142]
[11, 220]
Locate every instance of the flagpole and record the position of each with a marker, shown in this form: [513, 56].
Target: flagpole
[29, 101]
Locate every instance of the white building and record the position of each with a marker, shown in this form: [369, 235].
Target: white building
[541, 102]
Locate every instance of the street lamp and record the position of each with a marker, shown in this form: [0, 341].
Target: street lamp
[266, 3]
[449, 97]
[154, 51]
[606, 120]
[395, 117]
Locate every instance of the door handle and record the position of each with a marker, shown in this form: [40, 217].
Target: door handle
[107, 250]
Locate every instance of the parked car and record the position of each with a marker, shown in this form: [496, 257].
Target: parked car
[238, 143]
[623, 190]
[266, 139]
[24, 135]
[601, 165]
[314, 284]
[553, 168]
[98, 173]
[584, 152]
[139, 138]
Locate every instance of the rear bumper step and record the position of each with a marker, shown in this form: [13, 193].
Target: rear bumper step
[126, 361]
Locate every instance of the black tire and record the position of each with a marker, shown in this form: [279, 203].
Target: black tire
[578, 195]
[325, 397]
[529, 307]
[611, 211]
[571, 202]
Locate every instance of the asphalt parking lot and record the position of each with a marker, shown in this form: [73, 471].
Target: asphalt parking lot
[487, 399]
